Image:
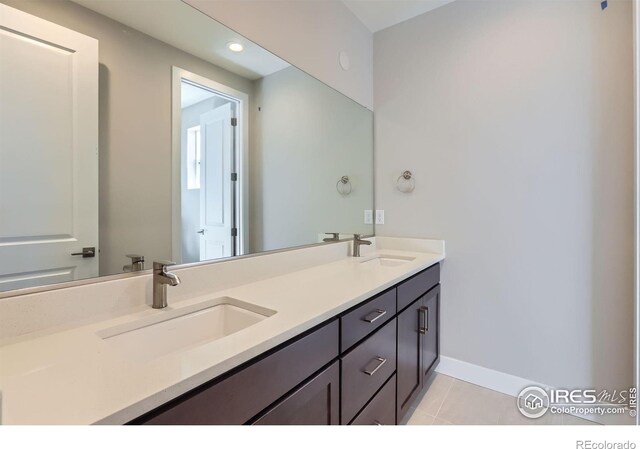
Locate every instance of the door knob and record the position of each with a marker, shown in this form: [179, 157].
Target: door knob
[201, 231]
[88, 251]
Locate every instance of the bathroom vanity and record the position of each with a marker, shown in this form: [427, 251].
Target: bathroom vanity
[307, 336]
[361, 367]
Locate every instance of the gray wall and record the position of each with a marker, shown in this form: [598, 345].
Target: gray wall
[305, 137]
[517, 121]
[135, 129]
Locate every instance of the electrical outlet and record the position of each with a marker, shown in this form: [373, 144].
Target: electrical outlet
[379, 217]
[368, 216]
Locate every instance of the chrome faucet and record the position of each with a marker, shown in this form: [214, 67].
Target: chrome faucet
[162, 278]
[357, 242]
[335, 237]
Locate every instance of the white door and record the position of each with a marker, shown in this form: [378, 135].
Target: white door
[216, 203]
[48, 151]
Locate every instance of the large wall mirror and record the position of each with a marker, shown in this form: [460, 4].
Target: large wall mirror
[147, 129]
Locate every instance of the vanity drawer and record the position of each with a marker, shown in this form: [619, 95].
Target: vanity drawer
[381, 410]
[366, 368]
[241, 396]
[418, 285]
[314, 403]
[368, 317]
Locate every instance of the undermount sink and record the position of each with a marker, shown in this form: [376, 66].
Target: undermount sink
[171, 330]
[388, 260]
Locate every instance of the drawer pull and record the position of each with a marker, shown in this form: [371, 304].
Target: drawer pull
[380, 361]
[423, 327]
[377, 423]
[375, 315]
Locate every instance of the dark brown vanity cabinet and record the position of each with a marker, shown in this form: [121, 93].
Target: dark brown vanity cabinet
[418, 341]
[429, 329]
[380, 411]
[410, 376]
[365, 367]
[315, 402]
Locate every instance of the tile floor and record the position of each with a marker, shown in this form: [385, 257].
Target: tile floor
[451, 401]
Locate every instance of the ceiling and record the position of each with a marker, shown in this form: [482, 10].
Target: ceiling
[181, 26]
[380, 14]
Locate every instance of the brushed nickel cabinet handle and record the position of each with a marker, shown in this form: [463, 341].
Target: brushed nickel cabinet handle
[426, 319]
[375, 315]
[423, 326]
[380, 361]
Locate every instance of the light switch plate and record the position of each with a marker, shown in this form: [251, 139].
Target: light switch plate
[380, 217]
[368, 216]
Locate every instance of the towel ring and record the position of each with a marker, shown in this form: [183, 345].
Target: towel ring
[409, 185]
[343, 186]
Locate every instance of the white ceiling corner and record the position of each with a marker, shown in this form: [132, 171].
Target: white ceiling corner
[380, 14]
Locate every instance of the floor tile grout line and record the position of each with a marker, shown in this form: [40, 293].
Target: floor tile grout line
[445, 396]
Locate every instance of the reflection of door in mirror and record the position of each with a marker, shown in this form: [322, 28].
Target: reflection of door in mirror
[209, 225]
[217, 238]
[48, 152]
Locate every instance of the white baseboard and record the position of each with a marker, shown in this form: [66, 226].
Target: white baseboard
[509, 384]
[484, 377]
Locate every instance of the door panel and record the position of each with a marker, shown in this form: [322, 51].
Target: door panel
[316, 402]
[49, 129]
[215, 192]
[409, 375]
[430, 310]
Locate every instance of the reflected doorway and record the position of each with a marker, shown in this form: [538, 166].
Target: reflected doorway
[210, 199]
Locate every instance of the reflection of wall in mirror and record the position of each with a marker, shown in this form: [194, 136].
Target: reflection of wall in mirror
[306, 137]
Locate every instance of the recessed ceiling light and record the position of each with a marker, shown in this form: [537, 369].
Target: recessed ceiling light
[235, 47]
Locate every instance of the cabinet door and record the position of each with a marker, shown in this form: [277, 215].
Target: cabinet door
[429, 311]
[315, 402]
[409, 371]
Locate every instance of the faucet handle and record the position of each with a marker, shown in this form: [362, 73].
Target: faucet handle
[335, 237]
[137, 263]
[135, 258]
[161, 265]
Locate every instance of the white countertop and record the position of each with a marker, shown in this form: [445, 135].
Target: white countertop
[75, 377]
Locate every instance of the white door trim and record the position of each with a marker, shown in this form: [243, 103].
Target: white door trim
[242, 157]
